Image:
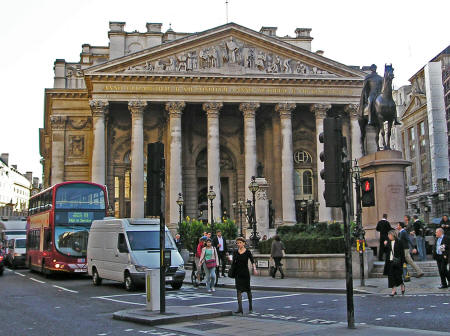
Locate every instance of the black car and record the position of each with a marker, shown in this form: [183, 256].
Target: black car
[2, 262]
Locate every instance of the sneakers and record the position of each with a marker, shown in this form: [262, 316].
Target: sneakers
[209, 290]
[213, 289]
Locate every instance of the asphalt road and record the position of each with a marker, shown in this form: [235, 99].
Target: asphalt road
[31, 304]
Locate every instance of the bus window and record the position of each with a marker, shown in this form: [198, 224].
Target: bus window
[47, 240]
[80, 196]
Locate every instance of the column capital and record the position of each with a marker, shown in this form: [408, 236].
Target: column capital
[212, 109]
[352, 110]
[58, 122]
[99, 107]
[248, 109]
[320, 110]
[175, 108]
[285, 109]
[137, 107]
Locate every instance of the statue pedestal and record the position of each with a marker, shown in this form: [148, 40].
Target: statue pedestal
[388, 170]
[262, 207]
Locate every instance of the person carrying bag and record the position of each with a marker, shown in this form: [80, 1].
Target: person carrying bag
[210, 258]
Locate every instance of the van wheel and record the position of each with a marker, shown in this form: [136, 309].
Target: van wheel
[96, 278]
[176, 285]
[129, 284]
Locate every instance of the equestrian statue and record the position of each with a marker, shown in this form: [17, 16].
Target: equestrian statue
[377, 106]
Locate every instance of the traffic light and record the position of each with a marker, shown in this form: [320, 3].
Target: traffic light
[367, 191]
[332, 157]
[155, 178]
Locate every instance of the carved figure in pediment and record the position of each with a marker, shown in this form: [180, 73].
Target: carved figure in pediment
[302, 68]
[249, 57]
[69, 73]
[149, 66]
[286, 66]
[232, 50]
[203, 54]
[172, 64]
[159, 66]
[261, 61]
[191, 61]
[182, 63]
[212, 58]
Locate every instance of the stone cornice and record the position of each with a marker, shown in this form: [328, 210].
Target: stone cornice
[285, 109]
[248, 109]
[99, 107]
[137, 107]
[320, 110]
[212, 109]
[175, 108]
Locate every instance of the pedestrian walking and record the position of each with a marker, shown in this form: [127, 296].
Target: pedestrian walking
[403, 237]
[395, 257]
[242, 275]
[277, 252]
[210, 258]
[220, 243]
[178, 242]
[441, 254]
[198, 254]
[383, 227]
[445, 224]
[419, 231]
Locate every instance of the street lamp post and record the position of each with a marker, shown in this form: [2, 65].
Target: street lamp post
[359, 232]
[180, 203]
[211, 197]
[241, 207]
[254, 237]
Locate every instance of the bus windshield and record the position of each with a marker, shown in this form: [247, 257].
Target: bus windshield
[148, 240]
[71, 241]
[80, 196]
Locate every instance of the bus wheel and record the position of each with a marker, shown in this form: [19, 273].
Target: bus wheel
[43, 270]
[129, 284]
[96, 278]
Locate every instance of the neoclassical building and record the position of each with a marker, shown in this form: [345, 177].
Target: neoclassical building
[223, 101]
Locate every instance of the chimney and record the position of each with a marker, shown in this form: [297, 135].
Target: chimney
[36, 182]
[153, 27]
[14, 166]
[29, 176]
[115, 26]
[5, 157]
[303, 32]
[269, 31]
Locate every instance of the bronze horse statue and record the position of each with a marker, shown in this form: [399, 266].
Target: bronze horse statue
[384, 109]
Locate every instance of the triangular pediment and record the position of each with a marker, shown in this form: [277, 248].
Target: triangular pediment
[229, 50]
[416, 102]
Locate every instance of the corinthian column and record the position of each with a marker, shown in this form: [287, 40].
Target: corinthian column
[58, 128]
[175, 110]
[212, 111]
[352, 111]
[320, 112]
[136, 108]
[287, 164]
[99, 111]
[249, 110]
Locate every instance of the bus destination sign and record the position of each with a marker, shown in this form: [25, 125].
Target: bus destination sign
[84, 217]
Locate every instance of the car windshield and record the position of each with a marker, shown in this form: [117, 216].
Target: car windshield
[80, 196]
[148, 240]
[71, 241]
[20, 243]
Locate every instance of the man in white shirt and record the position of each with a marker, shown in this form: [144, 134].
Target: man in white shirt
[220, 243]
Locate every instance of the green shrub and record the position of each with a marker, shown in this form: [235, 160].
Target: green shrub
[228, 228]
[335, 230]
[307, 245]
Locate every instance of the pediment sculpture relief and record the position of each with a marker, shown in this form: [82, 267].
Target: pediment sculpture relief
[228, 56]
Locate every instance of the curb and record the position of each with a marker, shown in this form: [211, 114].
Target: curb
[154, 318]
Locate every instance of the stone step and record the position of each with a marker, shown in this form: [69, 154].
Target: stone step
[412, 274]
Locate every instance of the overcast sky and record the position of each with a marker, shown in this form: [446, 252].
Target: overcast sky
[34, 33]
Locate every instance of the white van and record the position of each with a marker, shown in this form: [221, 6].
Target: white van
[122, 249]
[17, 252]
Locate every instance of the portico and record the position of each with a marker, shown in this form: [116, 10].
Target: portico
[220, 108]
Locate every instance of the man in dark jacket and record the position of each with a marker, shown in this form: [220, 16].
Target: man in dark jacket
[419, 231]
[383, 227]
[441, 253]
[220, 243]
[445, 225]
[403, 237]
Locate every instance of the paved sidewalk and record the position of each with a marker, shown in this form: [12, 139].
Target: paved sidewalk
[424, 285]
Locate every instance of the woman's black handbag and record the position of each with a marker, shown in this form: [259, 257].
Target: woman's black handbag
[232, 270]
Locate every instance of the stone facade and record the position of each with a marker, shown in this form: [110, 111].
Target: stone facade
[222, 101]
[424, 110]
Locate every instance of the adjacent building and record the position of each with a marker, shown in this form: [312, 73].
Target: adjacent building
[223, 102]
[424, 108]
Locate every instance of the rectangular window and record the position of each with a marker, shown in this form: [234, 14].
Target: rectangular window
[424, 162]
[127, 184]
[412, 154]
[116, 187]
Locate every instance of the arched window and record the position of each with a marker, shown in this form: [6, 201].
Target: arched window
[303, 184]
[307, 182]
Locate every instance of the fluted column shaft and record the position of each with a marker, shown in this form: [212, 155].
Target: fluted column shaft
[352, 111]
[99, 111]
[287, 164]
[175, 110]
[249, 111]
[58, 128]
[136, 108]
[212, 111]
[320, 112]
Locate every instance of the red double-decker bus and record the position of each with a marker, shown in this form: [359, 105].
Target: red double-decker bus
[58, 224]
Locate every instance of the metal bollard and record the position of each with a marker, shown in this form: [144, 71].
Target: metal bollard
[152, 289]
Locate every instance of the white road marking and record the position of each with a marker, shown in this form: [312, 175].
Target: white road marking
[111, 296]
[420, 308]
[362, 323]
[392, 315]
[234, 301]
[378, 319]
[120, 301]
[432, 306]
[65, 289]
[22, 275]
[128, 329]
[270, 309]
[406, 312]
[446, 303]
[57, 307]
[287, 307]
[305, 304]
[319, 301]
[37, 280]
[335, 300]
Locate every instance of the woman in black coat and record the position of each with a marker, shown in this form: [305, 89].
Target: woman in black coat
[393, 267]
[242, 275]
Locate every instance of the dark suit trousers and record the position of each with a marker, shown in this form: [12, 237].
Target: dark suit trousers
[443, 270]
[223, 260]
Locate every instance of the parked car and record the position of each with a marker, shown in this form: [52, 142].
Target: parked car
[124, 249]
[17, 252]
[2, 259]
